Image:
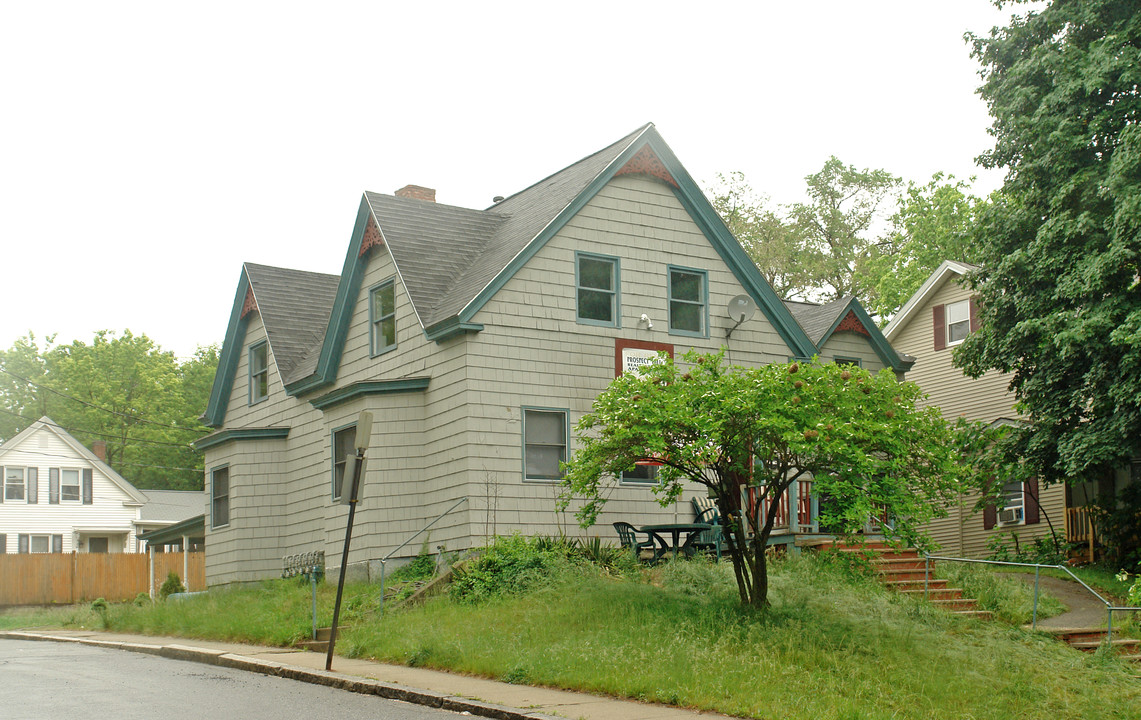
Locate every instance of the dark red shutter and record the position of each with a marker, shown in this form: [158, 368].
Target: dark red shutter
[990, 517]
[939, 315]
[53, 486]
[1030, 512]
[974, 305]
[87, 494]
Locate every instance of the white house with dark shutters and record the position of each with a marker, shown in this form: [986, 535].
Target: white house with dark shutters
[478, 338]
[59, 496]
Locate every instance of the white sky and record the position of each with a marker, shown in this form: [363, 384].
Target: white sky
[148, 149]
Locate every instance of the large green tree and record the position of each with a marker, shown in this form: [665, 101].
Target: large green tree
[838, 227]
[771, 242]
[123, 390]
[1059, 291]
[933, 222]
[861, 437]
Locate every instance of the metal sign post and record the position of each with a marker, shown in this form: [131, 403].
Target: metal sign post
[356, 464]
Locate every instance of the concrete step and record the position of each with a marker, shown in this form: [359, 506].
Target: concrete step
[889, 574]
[885, 563]
[977, 614]
[1076, 634]
[959, 603]
[906, 585]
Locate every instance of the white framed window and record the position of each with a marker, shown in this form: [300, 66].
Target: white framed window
[640, 475]
[344, 440]
[689, 302]
[1013, 509]
[39, 543]
[544, 443]
[220, 497]
[382, 317]
[69, 485]
[958, 321]
[259, 372]
[14, 488]
[597, 301]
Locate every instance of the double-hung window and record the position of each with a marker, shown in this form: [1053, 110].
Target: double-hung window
[344, 441]
[13, 483]
[69, 485]
[382, 317]
[259, 372]
[596, 287]
[689, 302]
[544, 443]
[1013, 504]
[958, 321]
[220, 497]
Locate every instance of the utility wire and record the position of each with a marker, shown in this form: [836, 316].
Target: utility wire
[186, 446]
[96, 407]
[70, 458]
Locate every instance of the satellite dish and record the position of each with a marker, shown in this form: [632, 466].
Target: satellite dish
[741, 308]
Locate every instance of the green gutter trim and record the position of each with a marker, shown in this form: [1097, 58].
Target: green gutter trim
[215, 413]
[253, 433]
[449, 328]
[370, 387]
[192, 527]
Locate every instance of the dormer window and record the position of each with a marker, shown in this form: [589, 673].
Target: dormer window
[958, 321]
[382, 317]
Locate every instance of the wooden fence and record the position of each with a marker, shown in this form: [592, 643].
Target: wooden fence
[47, 579]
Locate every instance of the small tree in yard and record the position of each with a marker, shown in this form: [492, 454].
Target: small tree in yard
[860, 436]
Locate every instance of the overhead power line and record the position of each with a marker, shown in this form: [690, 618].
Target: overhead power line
[128, 416]
[116, 438]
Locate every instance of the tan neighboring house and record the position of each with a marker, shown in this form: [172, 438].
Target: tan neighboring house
[478, 338]
[930, 325]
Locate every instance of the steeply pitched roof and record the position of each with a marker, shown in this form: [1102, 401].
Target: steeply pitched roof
[46, 423]
[946, 270]
[453, 260]
[821, 321]
[294, 307]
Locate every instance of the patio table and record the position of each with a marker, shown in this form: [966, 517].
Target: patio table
[674, 530]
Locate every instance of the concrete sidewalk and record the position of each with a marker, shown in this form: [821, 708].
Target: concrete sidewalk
[458, 693]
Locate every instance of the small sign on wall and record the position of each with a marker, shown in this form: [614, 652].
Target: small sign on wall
[633, 355]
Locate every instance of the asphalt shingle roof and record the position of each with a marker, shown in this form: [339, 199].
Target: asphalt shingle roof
[172, 505]
[294, 306]
[815, 319]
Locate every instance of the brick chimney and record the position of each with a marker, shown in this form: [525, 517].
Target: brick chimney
[416, 192]
[99, 447]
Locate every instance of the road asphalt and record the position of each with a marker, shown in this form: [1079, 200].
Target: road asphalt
[458, 693]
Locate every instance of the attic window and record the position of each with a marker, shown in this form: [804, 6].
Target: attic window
[958, 321]
[259, 373]
[382, 317]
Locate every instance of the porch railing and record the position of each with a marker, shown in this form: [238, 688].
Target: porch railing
[798, 495]
[1110, 608]
[1079, 529]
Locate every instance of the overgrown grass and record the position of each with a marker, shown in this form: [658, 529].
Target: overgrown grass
[833, 645]
[1010, 599]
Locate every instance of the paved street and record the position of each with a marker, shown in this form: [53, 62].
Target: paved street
[45, 680]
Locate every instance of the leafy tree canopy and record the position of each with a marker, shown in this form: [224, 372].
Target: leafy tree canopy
[860, 437]
[1059, 292]
[121, 389]
[933, 222]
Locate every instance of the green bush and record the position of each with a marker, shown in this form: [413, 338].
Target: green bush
[1042, 551]
[422, 567]
[172, 585]
[508, 566]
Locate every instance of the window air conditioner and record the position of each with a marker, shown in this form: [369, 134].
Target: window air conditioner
[1010, 516]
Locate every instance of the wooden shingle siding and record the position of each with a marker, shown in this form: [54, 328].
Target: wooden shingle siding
[986, 399]
[848, 345]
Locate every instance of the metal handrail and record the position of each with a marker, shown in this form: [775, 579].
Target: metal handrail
[1110, 608]
[384, 560]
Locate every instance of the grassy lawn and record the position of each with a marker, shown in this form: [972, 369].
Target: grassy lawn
[833, 645]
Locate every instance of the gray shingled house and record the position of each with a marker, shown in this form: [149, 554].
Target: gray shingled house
[478, 338]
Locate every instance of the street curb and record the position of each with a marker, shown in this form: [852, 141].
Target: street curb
[339, 681]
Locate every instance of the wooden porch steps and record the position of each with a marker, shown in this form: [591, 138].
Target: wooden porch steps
[1089, 639]
[903, 570]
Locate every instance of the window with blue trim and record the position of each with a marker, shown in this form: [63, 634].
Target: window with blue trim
[344, 441]
[259, 372]
[596, 286]
[689, 300]
[544, 443]
[382, 317]
[220, 497]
